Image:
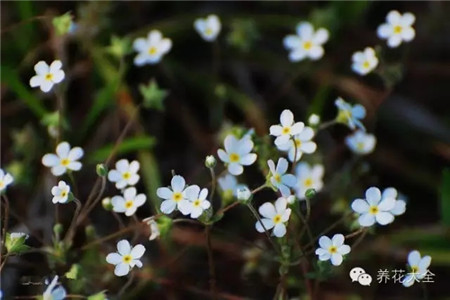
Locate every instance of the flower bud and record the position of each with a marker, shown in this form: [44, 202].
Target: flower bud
[313, 120]
[310, 193]
[106, 203]
[210, 161]
[244, 194]
[101, 170]
[58, 228]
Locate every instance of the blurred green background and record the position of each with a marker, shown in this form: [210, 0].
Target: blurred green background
[244, 78]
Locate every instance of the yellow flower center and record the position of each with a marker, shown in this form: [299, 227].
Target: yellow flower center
[332, 249]
[63, 193]
[2, 184]
[126, 175]
[277, 177]
[127, 259]
[152, 50]
[65, 162]
[129, 204]
[48, 76]
[373, 210]
[177, 196]
[298, 143]
[398, 29]
[277, 219]
[366, 65]
[308, 182]
[196, 203]
[208, 31]
[307, 45]
[360, 145]
[286, 130]
[414, 269]
[234, 157]
[343, 116]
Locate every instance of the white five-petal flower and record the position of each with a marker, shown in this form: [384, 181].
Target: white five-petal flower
[365, 61]
[397, 29]
[332, 249]
[54, 292]
[151, 49]
[237, 153]
[208, 28]
[350, 114]
[300, 142]
[60, 192]
[308, 177]
[5, 179]
[374, 208]
[129, 203]
[274, 216]
[176, 197]
[198, 201]
[279, 178]
[400, 205]
[125, 173]
[126, 257]
[308, 43]
[418, 268]
[286, 129]
[360, 142]
[64, 159]
[46, 76]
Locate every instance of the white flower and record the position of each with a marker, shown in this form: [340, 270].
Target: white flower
[237, 154]
[419, 268]
[360, 142]
[198, 201]
[243, 194]
[307, 43]
[229, 185]
[290, 199]
[400, 205]
[176, 197]
[350, 115]
[126, 257]
[279, 178]
[365, 61]
[374, 208]
[60, 192]
[54, 293]
[300, 142]
[154, 229]
[274, 217]
[308, 178]
[64, 159]
[18, 235]
[208, 28]
[332, 249]
[46, 76]
[125, 173]
[397, 29]
[286, 129]
[314, 120]
[151, 49]
[5, 179]
[129, 203]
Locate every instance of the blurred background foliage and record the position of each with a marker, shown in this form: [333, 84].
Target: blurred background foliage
[179, 111]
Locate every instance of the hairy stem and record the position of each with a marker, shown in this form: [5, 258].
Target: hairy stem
[212, 268]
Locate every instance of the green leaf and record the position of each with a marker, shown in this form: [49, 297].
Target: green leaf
[99, 296]
[62, 23]
[153, 95]
[16, 245]
[445, 197]
[73, 272]
[127, 146]
[119, 47]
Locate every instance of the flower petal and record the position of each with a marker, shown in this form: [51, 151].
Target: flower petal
[123, 247]
[235, 169]
[338, 240]
[366, 220]
[63, 149]
[360, 206]
[373, 195]
[325, 242]
[279, 230]
[122, 269]
[113, 258]
[137, 251]
[178, 183]
[50, 160]
[41, 68]
[168, 206]
[268, 224]
[336, 259]
[286, 118]
[248, 159]
[414, 258]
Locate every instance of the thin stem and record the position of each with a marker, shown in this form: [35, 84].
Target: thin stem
[331, 227]
[213, 183]
[295, 156]
[230, 206]
[326, 125]
[355, 233]
[71, 231]
[6, 218]
[72, 180]
[111, 236]
[360, 238]
[212, 268]
[259, 188]
[4, 261]
[258, 218]
[127, 285]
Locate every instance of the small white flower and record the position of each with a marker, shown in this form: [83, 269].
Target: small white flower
[229, 186]
[360, 142]
[332, 249]
[287, 128]
[279, 178]
[419, 268]
[365, 61]
[300, 142]
[397, 29]
[400, 205]
[60, 192]
[54, 293]
[125, 173]
[129, 203]
[5, 180]
[307, 43]
[314, 120]
[208, 28]
[154, 229]
[64, 159]
[126, 257]
[18, 235]
[243, 193]
[374, 208]
[151, 49]
[350, 115]
[275, 216]
[237, 154]
[176, 197]
[198, 201]
[308, 178]
[46, 76]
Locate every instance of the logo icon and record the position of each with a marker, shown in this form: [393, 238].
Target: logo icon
[358, 274]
